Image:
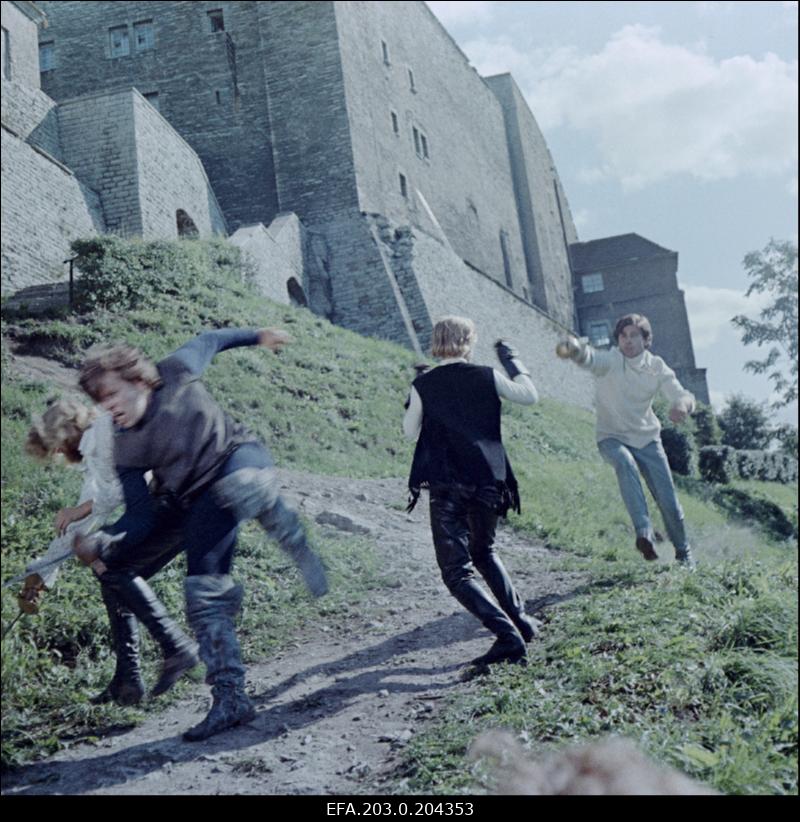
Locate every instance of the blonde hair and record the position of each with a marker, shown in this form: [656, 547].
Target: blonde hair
[127, 361]
[453, 337]
[59, 428]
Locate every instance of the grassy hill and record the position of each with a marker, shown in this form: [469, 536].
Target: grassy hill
[701, 669]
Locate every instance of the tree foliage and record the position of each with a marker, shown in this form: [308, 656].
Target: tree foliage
[773, 271]
[745, 424]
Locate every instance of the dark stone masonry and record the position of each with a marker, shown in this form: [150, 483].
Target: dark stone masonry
[348, 148]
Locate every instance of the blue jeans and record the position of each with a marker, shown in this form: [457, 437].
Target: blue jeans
[651, 460]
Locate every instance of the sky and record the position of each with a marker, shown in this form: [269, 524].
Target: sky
[673, 120]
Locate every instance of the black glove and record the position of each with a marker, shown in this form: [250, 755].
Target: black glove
[509, 359]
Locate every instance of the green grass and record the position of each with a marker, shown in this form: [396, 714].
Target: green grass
[699, 669]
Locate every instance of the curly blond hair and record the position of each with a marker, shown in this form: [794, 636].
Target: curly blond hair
[453, 337]
[126, 360]
[59, 429]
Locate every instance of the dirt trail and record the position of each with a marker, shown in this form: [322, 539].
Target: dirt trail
[337, 704]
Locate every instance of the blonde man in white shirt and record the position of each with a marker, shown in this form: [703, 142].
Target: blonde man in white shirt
[628, 431]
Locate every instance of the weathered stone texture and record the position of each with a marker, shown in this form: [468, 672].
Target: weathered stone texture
[274, 255]
[447, 286]
[44, 207]
[171, 177]
[210, 86]
[545, 219]
[466, 179]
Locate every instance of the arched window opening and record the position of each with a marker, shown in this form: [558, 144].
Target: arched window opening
[296, 293]
[186, 226]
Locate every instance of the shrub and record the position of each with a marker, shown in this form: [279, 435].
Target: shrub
[679, 447]
[706, 427]
[717, 463]
[121, 274]
[749, 508]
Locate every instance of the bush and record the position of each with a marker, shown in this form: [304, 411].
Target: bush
[679, 447]
[121, 274]
[717, 463]
[749, 508]
[706, 427]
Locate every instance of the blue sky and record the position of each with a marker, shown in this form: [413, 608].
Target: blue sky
[675, 120]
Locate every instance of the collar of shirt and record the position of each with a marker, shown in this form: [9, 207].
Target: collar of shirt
[451, 360]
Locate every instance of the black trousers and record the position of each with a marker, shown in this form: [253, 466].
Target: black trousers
[463, 524]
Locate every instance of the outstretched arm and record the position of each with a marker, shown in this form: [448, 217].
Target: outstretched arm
[197, 354]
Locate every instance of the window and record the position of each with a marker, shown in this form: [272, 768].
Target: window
[216, 21]
[6, 56]
[420, 143]
[403, 185]
[152, 98]
[118, 36]
[47, 56]
[592, 283]
[599, 333]
[143, 35]
[411, 81]
[218, 97]
[385, 53]
[395, 124]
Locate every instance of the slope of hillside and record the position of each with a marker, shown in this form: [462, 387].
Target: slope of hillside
[699, 668]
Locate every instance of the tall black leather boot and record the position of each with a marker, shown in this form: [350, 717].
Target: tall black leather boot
[212, 604]
[509, 646]
[493, 571]
[126, 686]
[180, 652]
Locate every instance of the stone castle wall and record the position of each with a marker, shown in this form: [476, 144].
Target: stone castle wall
[44, 207]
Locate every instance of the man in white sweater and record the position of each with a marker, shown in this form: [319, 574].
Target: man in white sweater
[628, 431]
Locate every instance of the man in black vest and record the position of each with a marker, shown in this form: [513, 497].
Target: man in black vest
[460, 458]
[211, 473]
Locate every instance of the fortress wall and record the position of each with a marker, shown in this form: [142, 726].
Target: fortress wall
[544, 213]
[32, 115]
[209, 85]
[274, 255]
[44, 208]
[308, 118]
[171, 177]
[99, 143]
[448, 286]
[466, 179]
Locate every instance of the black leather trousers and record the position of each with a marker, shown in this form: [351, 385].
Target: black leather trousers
[463, 522]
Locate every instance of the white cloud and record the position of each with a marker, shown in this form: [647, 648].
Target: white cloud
[453, 13]
[657, 110]
[711, 310]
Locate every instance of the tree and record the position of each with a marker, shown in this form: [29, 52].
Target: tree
[786, 435]
[706, 427]
[774, 271]
[745, 424]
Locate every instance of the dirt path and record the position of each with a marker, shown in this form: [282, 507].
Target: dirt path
[336, 706]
